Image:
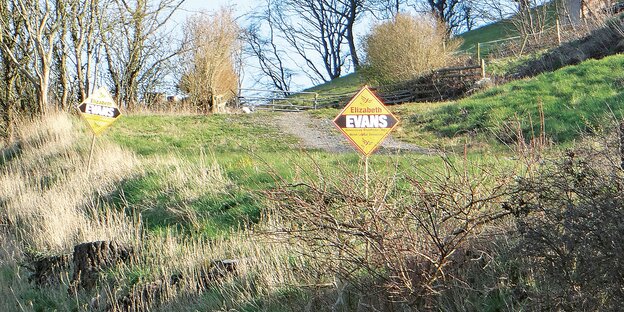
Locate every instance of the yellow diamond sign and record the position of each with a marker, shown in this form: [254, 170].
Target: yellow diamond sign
[365, 121]
[99, 110]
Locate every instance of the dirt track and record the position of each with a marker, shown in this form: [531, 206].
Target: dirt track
[321, 134]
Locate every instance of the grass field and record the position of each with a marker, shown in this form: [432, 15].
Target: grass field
[247, 151]
[574, 100]
[186, 190]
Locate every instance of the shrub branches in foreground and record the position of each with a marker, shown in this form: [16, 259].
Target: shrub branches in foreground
[571, 219]
[413, 235]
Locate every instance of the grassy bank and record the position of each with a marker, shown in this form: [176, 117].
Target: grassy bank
[574, 100]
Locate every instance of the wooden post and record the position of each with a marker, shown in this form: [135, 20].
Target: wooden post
[315, 100]
[478, 50]
[558, 32]
[622, 144]
[526, 39]
[366, 176]
[90, 155]
[483, 68]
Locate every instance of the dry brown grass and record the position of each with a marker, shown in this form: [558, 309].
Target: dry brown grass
[47, 194]
[48, 204]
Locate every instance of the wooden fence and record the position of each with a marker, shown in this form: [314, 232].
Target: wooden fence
[440, 85]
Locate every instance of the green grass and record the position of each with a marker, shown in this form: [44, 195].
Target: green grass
[494, 31]
[251, 152]
[574, 99]
[150, 135]
[236, 142]
[345, 84]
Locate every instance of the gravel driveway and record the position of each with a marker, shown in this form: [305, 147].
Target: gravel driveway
[315, 133]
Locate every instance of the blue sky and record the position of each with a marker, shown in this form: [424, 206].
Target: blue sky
[195, 6]
[191, 7]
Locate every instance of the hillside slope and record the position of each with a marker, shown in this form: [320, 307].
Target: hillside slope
[574, 99]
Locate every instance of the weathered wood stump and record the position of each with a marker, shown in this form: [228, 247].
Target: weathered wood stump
[93, 257]
[216, 271]
[48, 270]
[146, 296]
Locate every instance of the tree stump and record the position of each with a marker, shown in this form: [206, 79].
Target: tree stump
[93, 257]
[48, 270]
[216, 271]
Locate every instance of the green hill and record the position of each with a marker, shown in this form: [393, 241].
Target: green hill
[574, 99]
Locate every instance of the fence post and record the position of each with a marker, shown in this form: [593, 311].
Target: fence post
[524, 43]
[621, 144]
[483, 68]
[478, 50]
[315, 100]
[558, 32]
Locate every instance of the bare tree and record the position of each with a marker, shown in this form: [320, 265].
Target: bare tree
[386, 9]
[38, 29]
[494, 10]
[211, 76]
[9, 39]
[265, 48]
[454, 13]
[351, 12]
[61, 52]
[133, 38]
[319, 29]
[83, 32]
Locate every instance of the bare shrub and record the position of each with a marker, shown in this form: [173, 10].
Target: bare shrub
[407, 47]
[413, 235]
[211, 77]
[532, 19]
[570, 216]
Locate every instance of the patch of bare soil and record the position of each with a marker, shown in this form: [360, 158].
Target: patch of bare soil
[317, 133]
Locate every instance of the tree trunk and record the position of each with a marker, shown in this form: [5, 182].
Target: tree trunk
[64, 79]
[213, 102]
[9, 104]
[42, 98]
[8, 120]
[79, 73]
[353, 49]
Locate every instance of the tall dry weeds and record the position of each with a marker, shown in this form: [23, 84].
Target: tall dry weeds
[48, 204]
[48, 197]
[411, 240]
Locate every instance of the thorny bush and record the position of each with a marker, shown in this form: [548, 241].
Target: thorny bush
[570, 216]
[413, 235]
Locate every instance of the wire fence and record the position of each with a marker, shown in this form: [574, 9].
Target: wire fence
[442, 84]
[520, 45]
